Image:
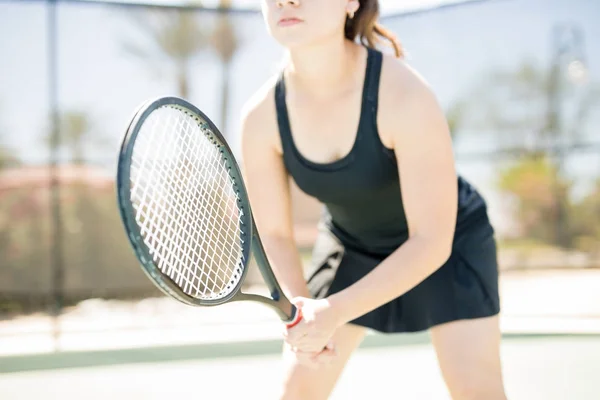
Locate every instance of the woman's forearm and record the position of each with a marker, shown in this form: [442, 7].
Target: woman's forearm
[410, 264]
[287, 265]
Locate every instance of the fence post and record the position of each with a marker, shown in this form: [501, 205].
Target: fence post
[56, 249]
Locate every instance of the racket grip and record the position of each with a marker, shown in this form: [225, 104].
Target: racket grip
[296, 319]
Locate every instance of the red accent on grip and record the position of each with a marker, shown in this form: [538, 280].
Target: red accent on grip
[296, 320]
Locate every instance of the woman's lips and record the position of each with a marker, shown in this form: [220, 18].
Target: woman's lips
[290, 21]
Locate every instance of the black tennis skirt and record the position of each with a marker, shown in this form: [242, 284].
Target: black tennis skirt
[465, 287]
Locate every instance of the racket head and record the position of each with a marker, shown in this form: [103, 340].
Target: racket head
[159, 266]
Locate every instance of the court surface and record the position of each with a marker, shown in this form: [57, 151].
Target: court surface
[548, 368]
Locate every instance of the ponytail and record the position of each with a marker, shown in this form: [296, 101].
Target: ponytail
[364, 25]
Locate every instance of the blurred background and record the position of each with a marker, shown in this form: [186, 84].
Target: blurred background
[519, 81]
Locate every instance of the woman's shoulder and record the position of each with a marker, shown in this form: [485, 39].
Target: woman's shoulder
[258, 114]
[261, 103]
[401, 83]
[406, 99]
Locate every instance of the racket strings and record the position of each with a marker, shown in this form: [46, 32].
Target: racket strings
[186, 204]
[183, 215]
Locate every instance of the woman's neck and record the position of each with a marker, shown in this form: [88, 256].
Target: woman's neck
[324, 68]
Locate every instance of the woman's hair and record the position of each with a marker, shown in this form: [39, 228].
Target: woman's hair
[365, 26]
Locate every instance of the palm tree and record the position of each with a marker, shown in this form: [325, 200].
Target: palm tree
[75, 130]
[6, 157]
[175, 36]
[225, 42]
[75, 127]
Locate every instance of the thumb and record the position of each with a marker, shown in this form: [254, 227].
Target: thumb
[298, 302]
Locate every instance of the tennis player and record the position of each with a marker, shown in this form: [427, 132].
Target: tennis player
[405, 243]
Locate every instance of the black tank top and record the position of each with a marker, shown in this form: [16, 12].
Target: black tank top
[361, 192]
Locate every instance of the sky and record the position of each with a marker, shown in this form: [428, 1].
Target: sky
[453, 49]
[387, 6]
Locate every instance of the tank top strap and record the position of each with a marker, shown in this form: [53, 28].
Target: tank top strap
[283, 120]
[368, 112]
[373, 75]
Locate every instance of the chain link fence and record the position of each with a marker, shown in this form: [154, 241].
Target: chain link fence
[518, 79]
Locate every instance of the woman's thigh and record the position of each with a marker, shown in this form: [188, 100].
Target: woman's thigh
[468, 353]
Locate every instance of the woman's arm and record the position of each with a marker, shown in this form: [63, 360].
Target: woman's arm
[268, 189]
[415, 126]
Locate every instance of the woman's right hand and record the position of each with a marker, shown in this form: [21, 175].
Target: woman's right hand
[314, 360]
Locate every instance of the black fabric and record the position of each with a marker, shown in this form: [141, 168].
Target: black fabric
[465, 287]
[363, 212]
[361, 192]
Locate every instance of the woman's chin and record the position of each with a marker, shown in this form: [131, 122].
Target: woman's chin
[292, 41]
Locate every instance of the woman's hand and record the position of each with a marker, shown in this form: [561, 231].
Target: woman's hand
[314, 360]
[314, 332]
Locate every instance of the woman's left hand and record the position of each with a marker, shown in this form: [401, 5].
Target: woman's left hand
[315, 330]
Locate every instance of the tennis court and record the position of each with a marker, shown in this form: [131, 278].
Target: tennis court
[551, 350]
[536, 367]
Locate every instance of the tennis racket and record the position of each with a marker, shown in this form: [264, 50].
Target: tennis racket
[186, 211]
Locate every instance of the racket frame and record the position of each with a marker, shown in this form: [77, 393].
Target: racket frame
[278, 301]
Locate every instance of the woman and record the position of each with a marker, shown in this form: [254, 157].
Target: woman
[348, 124]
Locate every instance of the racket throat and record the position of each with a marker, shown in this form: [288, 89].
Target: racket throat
[284, 309]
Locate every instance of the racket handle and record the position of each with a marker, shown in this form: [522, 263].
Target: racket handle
[296, 319]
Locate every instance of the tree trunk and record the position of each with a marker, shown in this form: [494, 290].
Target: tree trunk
[182, 81]
[225, 78]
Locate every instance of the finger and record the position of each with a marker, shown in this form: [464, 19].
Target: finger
[307, 333]
[299, 331]
[298, 302]
[312, 349]
[315, 360]
[320, 359]
[314, 346]
[312, 342]
[307, 359]
[312, 359]
[326, 357]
